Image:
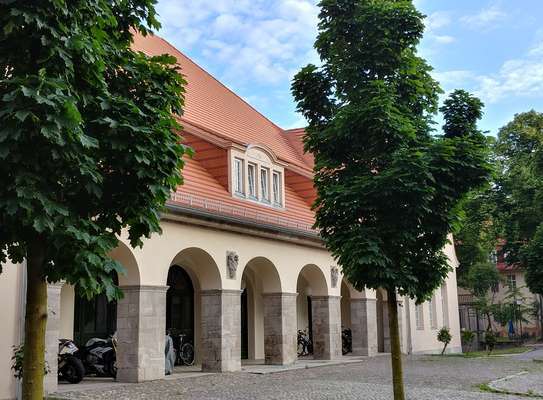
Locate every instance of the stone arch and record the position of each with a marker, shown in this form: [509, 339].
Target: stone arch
[265, 271]
[204, 275]
[314, 279]
[200, 266]
[124, 255]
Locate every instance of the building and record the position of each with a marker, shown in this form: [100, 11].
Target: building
[238, 266]
[511, 289]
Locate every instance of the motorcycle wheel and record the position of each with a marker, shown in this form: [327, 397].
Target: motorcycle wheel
[187, 354]
[73, 371]
[111, 366]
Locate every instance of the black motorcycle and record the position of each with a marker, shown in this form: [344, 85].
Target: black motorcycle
[99, 357]
[70, 368]
[305, 347]
[346, 341]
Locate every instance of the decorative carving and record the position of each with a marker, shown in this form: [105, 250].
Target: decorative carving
[334, 275]
[232, 260]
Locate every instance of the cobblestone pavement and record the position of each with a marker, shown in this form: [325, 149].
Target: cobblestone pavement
[427, 378]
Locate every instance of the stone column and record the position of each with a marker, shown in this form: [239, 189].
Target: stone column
[326, 325]
[221, 330]
[280, 335]
[363, 326]
[386, 328]
[52, 333]
[141, 330]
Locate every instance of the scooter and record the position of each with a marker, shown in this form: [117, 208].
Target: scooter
[70, 368]
[99, 356]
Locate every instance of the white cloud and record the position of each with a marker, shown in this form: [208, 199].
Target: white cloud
[486, 18]
[433, 37]
[522, 77]
[256, 40]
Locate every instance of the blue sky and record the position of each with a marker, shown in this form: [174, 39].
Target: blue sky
[493, 48]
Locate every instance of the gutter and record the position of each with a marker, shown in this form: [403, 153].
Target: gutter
[190, 215]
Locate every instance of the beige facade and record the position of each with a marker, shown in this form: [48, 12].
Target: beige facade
[280, 271]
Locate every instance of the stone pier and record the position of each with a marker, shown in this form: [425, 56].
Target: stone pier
[141, 330]
[221, 330]
[280, 334]
[326, 311]
[363, 329]
[52, 333]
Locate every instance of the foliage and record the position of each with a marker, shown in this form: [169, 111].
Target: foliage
[481, 278]
[17, 362]
[467, 337]
[444, 336]
[514, 307]
[490, 341]
[87, 134]
[388, 190]
[520, 194]
[88, 147]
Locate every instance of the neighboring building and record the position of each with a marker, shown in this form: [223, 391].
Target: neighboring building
[238, 266]
[511, 277]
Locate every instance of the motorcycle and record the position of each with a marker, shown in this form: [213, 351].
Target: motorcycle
[70, 367]
[99, 356]
[346, 341]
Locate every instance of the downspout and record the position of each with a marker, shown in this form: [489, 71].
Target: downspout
[22, 307]
[408, 325]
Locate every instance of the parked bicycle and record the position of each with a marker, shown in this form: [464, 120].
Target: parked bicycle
[184, 350]
[305, 347]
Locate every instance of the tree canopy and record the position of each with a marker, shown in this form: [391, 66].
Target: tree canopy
[88, 147]
[388, 188]
[519, 188]
[87, 134]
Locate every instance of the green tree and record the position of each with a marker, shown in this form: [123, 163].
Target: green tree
[87, 147]
[387, 188]
[444, 336]
[520, 194]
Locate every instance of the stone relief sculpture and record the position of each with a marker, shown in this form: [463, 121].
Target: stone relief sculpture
[334, 275]
[232, 260]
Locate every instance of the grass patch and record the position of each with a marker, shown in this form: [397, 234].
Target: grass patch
[498, 352]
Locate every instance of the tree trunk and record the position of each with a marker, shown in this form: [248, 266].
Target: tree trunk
[35, 323]
[444, 348]
[396, 356]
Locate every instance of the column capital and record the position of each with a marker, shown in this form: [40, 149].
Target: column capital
[320, 297]
[215, 292]
[144, 288]
[362, 300]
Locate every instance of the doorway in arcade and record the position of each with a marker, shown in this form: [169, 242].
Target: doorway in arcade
[180, 307]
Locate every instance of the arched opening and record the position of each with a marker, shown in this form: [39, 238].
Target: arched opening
[311, 283]
[191, 272]
[179, 307]
[95, 317]
[383, 336]
[346, 328]
[259, 278]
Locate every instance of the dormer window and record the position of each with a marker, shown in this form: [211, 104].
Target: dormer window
[257, 176]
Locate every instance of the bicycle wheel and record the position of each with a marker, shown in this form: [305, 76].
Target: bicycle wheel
[187, 354]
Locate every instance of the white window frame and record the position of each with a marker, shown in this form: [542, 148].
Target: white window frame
[433, 312]
[265, 185]
[238, 176]
[277, 188]
[252, 187]
[419, 317]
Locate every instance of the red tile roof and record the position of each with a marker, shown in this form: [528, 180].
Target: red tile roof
[216, 115]
[212, 106]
